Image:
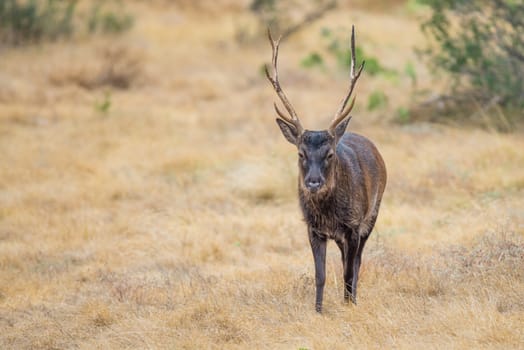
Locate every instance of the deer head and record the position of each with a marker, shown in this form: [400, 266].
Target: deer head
[316, 149]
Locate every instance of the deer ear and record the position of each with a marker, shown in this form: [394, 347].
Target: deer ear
[340, 129]
[289, 131]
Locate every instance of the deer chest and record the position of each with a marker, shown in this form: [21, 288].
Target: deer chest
[329, 220]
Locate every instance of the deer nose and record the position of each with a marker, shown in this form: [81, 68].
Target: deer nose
[313, 185]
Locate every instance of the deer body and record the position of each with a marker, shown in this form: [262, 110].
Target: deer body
[346, 211]
[351, 201]
[341, 181]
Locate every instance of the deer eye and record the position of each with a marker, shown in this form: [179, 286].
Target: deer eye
[329, 156]
[301, 156]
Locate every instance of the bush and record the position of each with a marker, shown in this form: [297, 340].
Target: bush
[339, 47]
[480, 43]
[107, 21]
[377, 100]
[312, 60]
[32, 21]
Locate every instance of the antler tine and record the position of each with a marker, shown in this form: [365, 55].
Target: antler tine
[280, 113]
[273, 79]
[347, 111]
[342, 112]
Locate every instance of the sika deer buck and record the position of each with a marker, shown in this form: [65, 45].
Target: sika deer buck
[341, 180]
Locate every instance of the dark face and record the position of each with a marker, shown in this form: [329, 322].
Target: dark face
[316, 152]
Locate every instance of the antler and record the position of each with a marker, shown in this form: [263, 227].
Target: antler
[273, 79]
[342, 112]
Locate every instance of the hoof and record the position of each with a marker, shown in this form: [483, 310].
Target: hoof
[350, 298]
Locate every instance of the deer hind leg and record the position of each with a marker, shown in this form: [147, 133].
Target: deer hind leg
[340, 245]
[351, 248]
[358, 259]
[356, 267]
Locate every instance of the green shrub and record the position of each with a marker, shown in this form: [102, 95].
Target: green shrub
[312, 60]
[376, 100]
[32, 21]
[341, 50]
[107, 20]
[411, 73]
[480, 42]
[403, 115]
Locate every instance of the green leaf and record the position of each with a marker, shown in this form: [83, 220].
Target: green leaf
[409, 70]
[312, 60]
[403, 115]
[377, 100]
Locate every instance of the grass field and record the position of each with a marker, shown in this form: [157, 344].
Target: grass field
[148, 200]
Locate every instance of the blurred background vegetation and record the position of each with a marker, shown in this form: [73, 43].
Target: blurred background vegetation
[475, 46]
[481, 45]
[33, 21]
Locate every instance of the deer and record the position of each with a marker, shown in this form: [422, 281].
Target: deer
[342, 177]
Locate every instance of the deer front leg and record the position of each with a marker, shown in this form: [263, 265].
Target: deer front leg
[318, 246]
[351, 245]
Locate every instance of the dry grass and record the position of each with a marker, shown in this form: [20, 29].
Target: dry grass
[119, 67]
[170, 220]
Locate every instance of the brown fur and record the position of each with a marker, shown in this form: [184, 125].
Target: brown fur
[346, 205]
[341, 182]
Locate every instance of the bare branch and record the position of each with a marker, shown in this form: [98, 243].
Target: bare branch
[311, 17]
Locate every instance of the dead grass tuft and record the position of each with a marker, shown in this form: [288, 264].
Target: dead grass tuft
[115, 66]
[99, 314]
[495, 258]
[493, 253]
